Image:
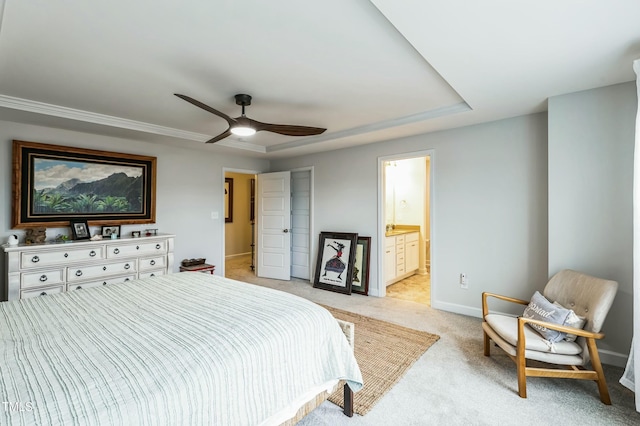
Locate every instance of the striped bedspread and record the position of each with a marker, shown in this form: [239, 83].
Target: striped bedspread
[183, 349]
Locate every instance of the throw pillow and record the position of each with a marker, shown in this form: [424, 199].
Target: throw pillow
[573, 320]
[541, 309]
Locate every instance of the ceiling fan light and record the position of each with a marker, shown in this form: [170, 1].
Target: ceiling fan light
[243, 131]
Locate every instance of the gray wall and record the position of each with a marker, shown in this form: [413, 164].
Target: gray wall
[189, 186]
[591, 139]
[489, 205]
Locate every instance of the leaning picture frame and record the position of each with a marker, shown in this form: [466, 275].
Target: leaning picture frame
[334, 266]
[360, 280]
[54, 185]
[80, 230]
[228, 200]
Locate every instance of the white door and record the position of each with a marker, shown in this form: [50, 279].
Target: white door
[274, 224]
[300, 224]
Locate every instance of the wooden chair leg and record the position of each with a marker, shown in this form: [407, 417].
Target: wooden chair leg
[348, 401]
[597, 366]
[487, 344]
[521, 361]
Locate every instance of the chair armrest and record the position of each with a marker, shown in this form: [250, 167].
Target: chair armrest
[562, 328]
[485, 295]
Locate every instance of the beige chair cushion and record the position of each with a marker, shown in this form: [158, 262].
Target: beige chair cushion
[507, 327]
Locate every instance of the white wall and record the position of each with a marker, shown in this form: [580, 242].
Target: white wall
[490, 205]
[189, 185]
[591, 138]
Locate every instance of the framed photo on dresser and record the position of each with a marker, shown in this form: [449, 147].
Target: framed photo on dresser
[80, 230]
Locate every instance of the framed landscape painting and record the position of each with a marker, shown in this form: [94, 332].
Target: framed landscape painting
[55, 185]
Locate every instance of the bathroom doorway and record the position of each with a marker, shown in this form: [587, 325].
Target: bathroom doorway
[406, 195]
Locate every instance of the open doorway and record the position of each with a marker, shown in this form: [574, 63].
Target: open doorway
[239, 225]
[242, 234]
[406, 215]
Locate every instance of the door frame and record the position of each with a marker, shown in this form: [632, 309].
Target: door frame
[382, 288]
[222, 222]
[312, 240]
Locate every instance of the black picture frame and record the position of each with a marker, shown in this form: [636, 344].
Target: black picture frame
[334, 266]
[228, 200]
[360, 280]
[80, 230]
[54, 185]
[109, 230]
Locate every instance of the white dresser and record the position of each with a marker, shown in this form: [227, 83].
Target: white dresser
[42, 269]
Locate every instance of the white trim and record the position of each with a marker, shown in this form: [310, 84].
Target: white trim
[382, 125]
[118, 122]
[312, 240]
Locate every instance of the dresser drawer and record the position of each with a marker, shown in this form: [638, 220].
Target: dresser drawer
[400, 239]
[38, 279]
[155, 262]
[25, 294]
[44, 258]
[142, 248]
[99, 283]
[154, 273]
[83, 273]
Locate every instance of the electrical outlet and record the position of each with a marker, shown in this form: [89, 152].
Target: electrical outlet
[464, 281]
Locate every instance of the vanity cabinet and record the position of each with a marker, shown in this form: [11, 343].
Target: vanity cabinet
[43, 269]
[402, 256]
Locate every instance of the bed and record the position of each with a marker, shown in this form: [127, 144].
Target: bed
[179, 349]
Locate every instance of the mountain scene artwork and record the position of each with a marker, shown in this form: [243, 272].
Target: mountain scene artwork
[81, 187]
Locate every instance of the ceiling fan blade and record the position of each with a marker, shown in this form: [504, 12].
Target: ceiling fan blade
[206, 108]
[284, 129]
[220, 136]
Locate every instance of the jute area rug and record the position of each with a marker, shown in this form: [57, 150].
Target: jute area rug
[384, 352]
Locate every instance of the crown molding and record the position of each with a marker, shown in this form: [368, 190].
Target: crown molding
[369, 128]
[111, 121]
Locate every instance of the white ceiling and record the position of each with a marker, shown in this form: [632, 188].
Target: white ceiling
[366, 70]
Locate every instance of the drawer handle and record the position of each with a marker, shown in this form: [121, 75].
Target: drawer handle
[104, 283]
[158, 246]
[78, 273]
[153, 262]
[66, 255]
[104, 268]
[44, 293]
[35, 259]
[126, 279]
[116, 251]
[43, 278]
[127, 266]
[79, 287]
[137, 247]
[92, 253]
[152, 275]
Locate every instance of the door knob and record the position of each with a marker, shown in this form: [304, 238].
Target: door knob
[285, 231]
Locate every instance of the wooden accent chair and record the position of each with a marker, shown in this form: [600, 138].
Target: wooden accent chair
[588, 297]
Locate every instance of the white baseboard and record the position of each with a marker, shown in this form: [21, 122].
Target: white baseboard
[606, 356]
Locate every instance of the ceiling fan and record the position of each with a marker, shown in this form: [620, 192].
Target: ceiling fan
[244, 126]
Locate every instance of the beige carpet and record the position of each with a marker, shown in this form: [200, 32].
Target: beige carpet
[384, 352]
